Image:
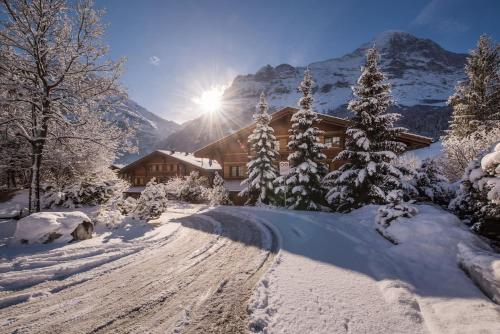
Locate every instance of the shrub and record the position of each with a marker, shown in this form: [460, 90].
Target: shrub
[478, 199]
[218, 194]
[431, 184]
[152, 202]
[396, 208]
[191, 188]
[93, 190]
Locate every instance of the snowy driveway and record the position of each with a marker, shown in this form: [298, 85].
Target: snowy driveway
[335, 274]
[216, 271]
[194, 275]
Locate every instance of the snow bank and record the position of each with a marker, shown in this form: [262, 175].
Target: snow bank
[483, 266]
[44, 227]
[334, 273]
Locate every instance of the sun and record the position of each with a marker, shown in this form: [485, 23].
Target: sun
[210, 101]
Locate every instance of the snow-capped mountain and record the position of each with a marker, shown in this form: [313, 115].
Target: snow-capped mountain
[421, 72]
[150, 128]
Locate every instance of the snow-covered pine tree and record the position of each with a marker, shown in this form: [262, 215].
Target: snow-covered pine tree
[371, 145]
[261, 169]
[307, 162]
[476, 102]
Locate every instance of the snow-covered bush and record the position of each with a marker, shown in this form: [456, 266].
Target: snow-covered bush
[478, 199]
[109, 218]
[45, 227]
[396, 208]
[431, 184]
[193, 188]
[460, 151]
[218, 194]
[126, 205]
[93, 190]
[152, 202]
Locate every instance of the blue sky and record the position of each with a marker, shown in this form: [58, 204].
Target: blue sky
[177, 49]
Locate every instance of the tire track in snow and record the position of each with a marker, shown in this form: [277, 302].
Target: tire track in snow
[200, 281]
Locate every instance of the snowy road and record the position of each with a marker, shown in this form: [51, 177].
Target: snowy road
[231, 269]
[195, 278]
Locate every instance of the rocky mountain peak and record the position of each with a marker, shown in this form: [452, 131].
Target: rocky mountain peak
[421, 72]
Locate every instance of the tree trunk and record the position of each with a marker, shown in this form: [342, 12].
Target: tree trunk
[34, 195]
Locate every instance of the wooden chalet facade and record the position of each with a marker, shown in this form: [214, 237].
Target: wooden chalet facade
[232, 152]
[164, 165]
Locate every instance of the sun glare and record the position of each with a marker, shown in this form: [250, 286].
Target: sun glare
[210, 100]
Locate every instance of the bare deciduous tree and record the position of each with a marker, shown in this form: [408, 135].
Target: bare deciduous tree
[55, 77]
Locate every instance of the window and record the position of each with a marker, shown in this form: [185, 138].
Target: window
[236, 171]
[332, 142]
[277, 145]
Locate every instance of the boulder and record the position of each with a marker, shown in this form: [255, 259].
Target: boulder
[47, 227]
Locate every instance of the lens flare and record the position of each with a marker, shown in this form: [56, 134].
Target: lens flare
[210, 101]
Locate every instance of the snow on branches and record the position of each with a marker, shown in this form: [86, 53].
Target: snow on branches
[392, 212]
[431, 184]
[56, 79]
[152, 202]
[475, 123]
[371, 146]
[478, 199]
[261, 169]
[302, 186]
[218, 194]
[476, 102]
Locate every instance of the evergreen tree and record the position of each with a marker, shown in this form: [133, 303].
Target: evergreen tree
[261, 170]
[307, 167]
[371, 145]
[476, 102]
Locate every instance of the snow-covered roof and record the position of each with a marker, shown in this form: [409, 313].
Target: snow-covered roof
[191, 159]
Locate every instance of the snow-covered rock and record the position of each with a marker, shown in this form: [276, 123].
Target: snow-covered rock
[45, 227]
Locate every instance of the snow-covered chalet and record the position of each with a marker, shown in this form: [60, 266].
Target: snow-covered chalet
[232, 152]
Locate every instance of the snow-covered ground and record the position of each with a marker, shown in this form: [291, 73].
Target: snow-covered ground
[335, 274]
[230, 269]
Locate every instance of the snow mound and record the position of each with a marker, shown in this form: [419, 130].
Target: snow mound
[483, 266]
[45, 227]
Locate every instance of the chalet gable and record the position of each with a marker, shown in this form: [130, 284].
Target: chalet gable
[414, 140]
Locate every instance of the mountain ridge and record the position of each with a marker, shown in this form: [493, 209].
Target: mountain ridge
[421, 72]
